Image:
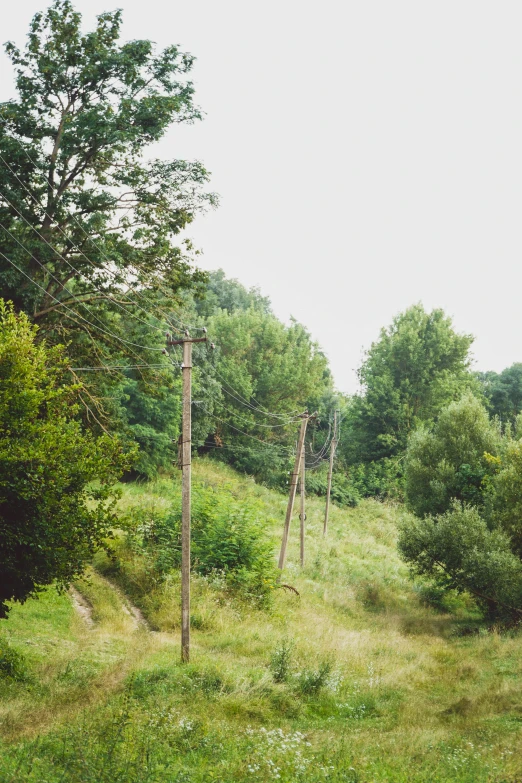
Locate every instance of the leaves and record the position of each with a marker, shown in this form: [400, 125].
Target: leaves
[52, 515]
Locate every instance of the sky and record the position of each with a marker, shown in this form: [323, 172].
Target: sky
[368, 156]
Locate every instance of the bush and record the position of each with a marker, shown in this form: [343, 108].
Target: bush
[56, 478]
[228, 540]
[503, 494]
[380, 479]
[458, 551]
[12, 663]
[343, 492]
[311, 681]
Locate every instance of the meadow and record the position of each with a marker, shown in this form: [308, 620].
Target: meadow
[361, 676]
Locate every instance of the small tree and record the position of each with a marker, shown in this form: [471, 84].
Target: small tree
[418, 366]
[52, 516]
[458, 551]
[450, 460]
[464, 484]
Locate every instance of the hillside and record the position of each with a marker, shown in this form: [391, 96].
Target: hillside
[357, 678]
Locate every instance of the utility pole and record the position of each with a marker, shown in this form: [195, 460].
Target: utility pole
[186, 487]
[305, 418]
[333, 447]
[302, 515]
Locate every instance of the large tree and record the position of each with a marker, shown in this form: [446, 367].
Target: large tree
[85, 216]
[418, 365]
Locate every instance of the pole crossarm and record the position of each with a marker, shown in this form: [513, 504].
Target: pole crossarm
[188, 340]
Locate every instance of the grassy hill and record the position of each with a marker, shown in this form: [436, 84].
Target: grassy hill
[363, 676]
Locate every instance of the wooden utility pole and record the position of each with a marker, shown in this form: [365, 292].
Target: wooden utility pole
[333, 447]
[186, 488]
[305, 418]
[302, 515]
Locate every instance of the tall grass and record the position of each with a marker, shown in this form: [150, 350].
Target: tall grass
[361, 677]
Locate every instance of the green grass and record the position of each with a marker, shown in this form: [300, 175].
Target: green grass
[380, 681]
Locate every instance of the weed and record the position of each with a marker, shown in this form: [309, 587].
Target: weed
[310, 681]
[12, 663]
[281, 661]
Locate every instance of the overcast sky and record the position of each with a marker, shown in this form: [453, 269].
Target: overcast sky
[368, 156]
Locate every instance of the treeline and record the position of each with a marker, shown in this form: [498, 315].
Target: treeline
[410, 375]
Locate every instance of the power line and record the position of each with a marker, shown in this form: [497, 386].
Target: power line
[248, 405]
[246, 434]
[131, 315]
[71, 266]
[255, 423]
[119, 367]
[128, 314]
[66, 307]
[91, 239]
[79, 250]
[73, 297]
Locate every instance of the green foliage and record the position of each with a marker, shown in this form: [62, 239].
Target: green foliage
[463, 472]
[90, 221]
[380, 479]
[230, 295]
[452, 459]
[12, 662]
[52, 515]
[311, 681]
[458, 551]
[503, 504]
[418, 366]
[281, 661]
[262, 366]
[344, 490]
[87, 109]
[307, 682]
[503, 392]
[150, 416]
[229, 542]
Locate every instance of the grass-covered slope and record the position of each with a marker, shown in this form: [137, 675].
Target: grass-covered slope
[355, 679]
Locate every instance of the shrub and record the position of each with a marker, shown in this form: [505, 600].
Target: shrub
[228, 538]
[343, 492]
[503, 495]
[56, 478]
[311, 681]
[12, 663]
[281, 661]
[380, 479]
[458, 551]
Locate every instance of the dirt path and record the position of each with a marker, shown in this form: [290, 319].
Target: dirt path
[85, 610]
[128, 607]
[82, 606]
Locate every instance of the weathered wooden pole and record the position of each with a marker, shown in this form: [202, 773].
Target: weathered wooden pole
[302, 515]
[186, 491]
[186, 488]
[333, 446]
[305, 418]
